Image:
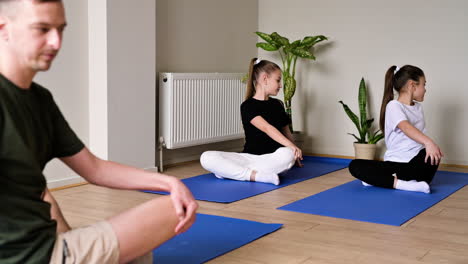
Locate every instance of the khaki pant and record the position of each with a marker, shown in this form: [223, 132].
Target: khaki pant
[93, 244]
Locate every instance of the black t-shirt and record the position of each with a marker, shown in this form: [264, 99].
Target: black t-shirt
[272, 110]
[32, 132]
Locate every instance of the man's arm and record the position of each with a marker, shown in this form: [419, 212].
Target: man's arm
[115, 175]
[55, 212]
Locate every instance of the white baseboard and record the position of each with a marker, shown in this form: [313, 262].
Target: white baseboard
[51, 184]
[174, 156]
[153, 169]
[192, 157]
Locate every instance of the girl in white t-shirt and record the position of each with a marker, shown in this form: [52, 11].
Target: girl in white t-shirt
[412, 158]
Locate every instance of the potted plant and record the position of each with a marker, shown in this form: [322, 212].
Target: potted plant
[365, 146]
[289, 53]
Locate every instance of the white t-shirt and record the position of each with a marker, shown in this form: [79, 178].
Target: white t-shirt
[401, 148]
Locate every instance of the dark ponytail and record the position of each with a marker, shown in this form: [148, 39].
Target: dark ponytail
[249, 93]
[397, 80]
[387, 95]
[255, 68]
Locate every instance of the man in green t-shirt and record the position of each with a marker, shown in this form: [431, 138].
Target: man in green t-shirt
[33, 131]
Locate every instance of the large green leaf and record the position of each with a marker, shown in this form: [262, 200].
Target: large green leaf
[295, 44]
[267, 38]
[310, 41]
[369, 122]
[365, 127]
[279, 39]
[289, 87]
[358, 139]
[362, 99]
[300, 52]
[353, 118]
[266, 46]
[375, 137]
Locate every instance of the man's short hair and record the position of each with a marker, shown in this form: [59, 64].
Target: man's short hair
[5, 5]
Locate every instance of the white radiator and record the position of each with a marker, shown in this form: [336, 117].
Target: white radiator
[200, 108]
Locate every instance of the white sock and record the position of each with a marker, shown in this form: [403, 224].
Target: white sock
[267, 177]
[413, 186]
[365, 184]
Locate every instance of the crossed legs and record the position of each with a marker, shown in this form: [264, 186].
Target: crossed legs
[248, 167]
[415, 175]
[145, 227]
[137, 230]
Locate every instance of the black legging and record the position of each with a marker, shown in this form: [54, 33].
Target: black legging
[379, 173]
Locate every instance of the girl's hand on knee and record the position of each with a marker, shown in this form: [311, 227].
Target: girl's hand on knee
[184, 205]
[433, 153]
[298, 153]
[299, 163]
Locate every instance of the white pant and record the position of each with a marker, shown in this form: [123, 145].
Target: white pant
[239, 166]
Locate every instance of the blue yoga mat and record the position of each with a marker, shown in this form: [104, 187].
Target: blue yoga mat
[354, 201]
[207, 187]
[209, 237]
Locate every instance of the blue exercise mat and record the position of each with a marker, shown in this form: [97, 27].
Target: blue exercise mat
[209, 237]
[207, 187]
[354, 201]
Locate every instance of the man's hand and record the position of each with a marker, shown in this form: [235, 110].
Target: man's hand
[184, 204]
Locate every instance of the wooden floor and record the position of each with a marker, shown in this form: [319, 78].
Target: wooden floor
[438, 235]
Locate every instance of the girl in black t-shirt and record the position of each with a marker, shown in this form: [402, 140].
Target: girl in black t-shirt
[269, 148]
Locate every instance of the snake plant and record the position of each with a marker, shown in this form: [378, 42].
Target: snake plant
[363, 125]
[289, 53]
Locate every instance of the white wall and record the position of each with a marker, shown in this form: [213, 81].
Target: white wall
[131, 81]
[104, 78]
[98, 78]
[205, 36]
[367, 37]
[104, 82]
[68, 81]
